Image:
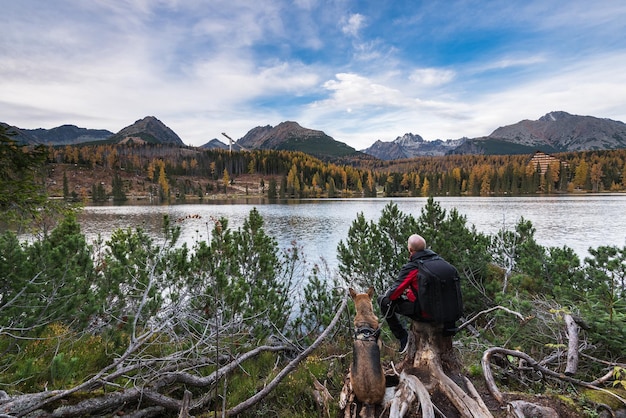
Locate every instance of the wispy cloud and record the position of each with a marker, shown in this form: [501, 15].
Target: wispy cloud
[353, 24]
[431, 76]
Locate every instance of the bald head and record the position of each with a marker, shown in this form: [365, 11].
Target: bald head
[416, 243]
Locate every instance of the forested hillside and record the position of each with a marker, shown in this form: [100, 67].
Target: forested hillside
[167, 173]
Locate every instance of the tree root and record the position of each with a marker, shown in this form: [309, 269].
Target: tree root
[410, 389]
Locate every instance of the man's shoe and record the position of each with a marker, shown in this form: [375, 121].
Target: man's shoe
[404, 344]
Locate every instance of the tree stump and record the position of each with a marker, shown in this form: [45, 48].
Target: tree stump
[432, 359]
[431, 381]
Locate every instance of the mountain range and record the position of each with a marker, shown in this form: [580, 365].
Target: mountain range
[554, 132]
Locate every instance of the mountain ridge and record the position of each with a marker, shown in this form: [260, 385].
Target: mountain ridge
[60, 135]
[556, 131]
[147, 130]
[290, 136]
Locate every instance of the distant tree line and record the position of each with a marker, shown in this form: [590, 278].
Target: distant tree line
[194, 172]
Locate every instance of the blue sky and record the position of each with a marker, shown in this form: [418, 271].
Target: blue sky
[360, 71]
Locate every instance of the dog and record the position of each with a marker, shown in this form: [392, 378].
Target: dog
[366, 372]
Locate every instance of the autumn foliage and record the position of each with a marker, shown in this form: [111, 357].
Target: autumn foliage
[172, 172]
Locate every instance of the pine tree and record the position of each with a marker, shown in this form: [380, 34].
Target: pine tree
[118, 189]
[272, 193]
[21, 190]
[66, 187]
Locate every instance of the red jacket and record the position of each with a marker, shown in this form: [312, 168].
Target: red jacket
[406, 283]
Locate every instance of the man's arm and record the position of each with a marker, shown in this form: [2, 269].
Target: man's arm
[407, 275]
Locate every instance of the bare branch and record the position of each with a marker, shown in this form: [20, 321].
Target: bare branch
[485, 312]
[572, 350]
[535, 365]
[291, 366]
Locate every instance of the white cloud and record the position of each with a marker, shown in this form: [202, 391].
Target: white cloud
[595, 87]
[352, 24]
[431, 76]
[355, 91]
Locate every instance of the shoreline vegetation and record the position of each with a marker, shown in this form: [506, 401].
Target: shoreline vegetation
[177, 321]
[100, 173]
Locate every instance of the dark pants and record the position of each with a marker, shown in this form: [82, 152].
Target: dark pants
[391, 310]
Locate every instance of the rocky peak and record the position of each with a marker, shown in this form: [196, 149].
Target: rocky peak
[561, 131]
[268, 137]
[409, 139]
[150, 130]
[409, 146]
[555, 116]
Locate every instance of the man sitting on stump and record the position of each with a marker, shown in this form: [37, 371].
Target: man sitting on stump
[441, 303]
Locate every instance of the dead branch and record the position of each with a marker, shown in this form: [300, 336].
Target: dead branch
[151, 378]
[608, 363]
[184, 409]
[291, 366]
[322, 396]
[495, 392]
[603, 379]
[486, 311]
[572, 346]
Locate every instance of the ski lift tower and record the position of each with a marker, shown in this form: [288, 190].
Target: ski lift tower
[230, 142]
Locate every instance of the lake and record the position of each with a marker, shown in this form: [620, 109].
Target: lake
[578, 221]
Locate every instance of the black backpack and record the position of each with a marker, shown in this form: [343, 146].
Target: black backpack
[439, 290]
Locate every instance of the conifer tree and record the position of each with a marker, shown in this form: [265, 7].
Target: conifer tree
[118, 189]
[21, 189]
[272, 193]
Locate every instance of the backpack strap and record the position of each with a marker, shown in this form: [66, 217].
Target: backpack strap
[421, 265]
